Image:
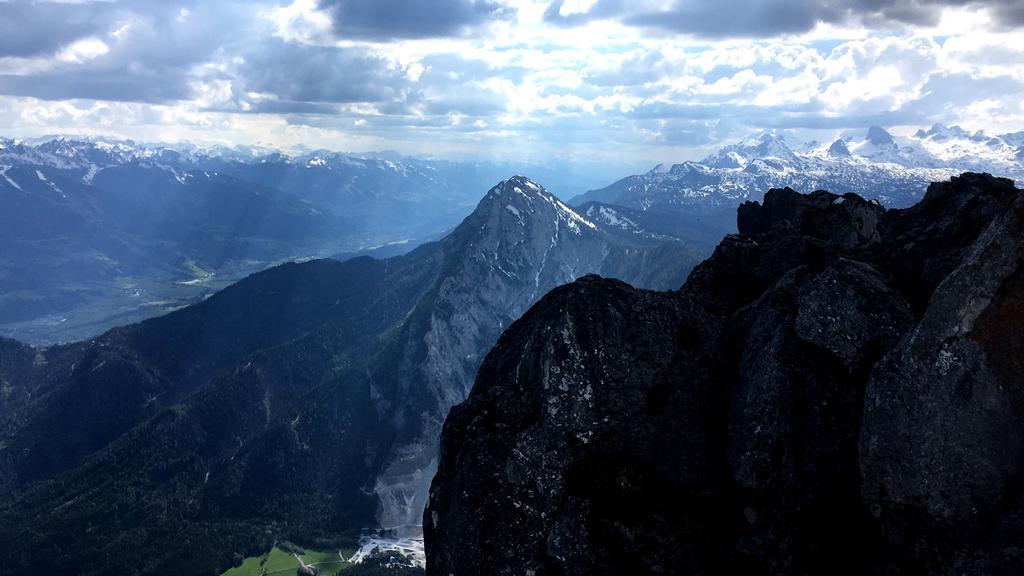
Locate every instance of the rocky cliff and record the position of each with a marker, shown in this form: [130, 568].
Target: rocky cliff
[837, 390]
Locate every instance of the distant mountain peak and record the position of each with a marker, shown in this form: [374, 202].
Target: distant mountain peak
[839, 149]
[524, 199]
[767, 140]
[772, 137]
[520, 189]
[767, 144]
[519, 180]
[942, 132]
[516, 189]
[879, 136]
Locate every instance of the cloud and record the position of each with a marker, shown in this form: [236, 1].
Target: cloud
[464, 77]
[138, 88]
[300, 21]
[319, 74]
[393, 19]
[768, 18]
[32, 28]
[946, 96]
[145, 54]
[227, 57]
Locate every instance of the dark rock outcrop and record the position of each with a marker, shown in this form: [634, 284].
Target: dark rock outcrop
[838, 390]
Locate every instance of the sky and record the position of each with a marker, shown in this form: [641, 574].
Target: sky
[599, 82]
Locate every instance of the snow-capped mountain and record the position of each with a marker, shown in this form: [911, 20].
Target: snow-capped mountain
[88, 157]
[895, 171]
[95, 154]
[941, 146]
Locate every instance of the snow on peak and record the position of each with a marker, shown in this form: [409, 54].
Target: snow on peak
[521, 196]
[940, 133]
[760, 146]
[955, 146]
[895, 168]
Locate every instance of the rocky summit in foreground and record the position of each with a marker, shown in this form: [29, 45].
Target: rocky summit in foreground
[838, 390]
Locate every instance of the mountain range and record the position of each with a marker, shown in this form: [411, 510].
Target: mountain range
[304, 402]
[894, 171]
[98, 233]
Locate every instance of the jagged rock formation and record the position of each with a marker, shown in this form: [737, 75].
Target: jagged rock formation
[839, 148]
[837, 390]
[879, 136]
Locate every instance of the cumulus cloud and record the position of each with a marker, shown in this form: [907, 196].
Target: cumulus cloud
[144, 54]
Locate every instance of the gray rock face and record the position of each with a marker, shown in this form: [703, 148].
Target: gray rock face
[520, 242]
[839, 149]
[836, 390]
[879, 136]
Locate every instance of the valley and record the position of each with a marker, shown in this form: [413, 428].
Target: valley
[277, 562]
